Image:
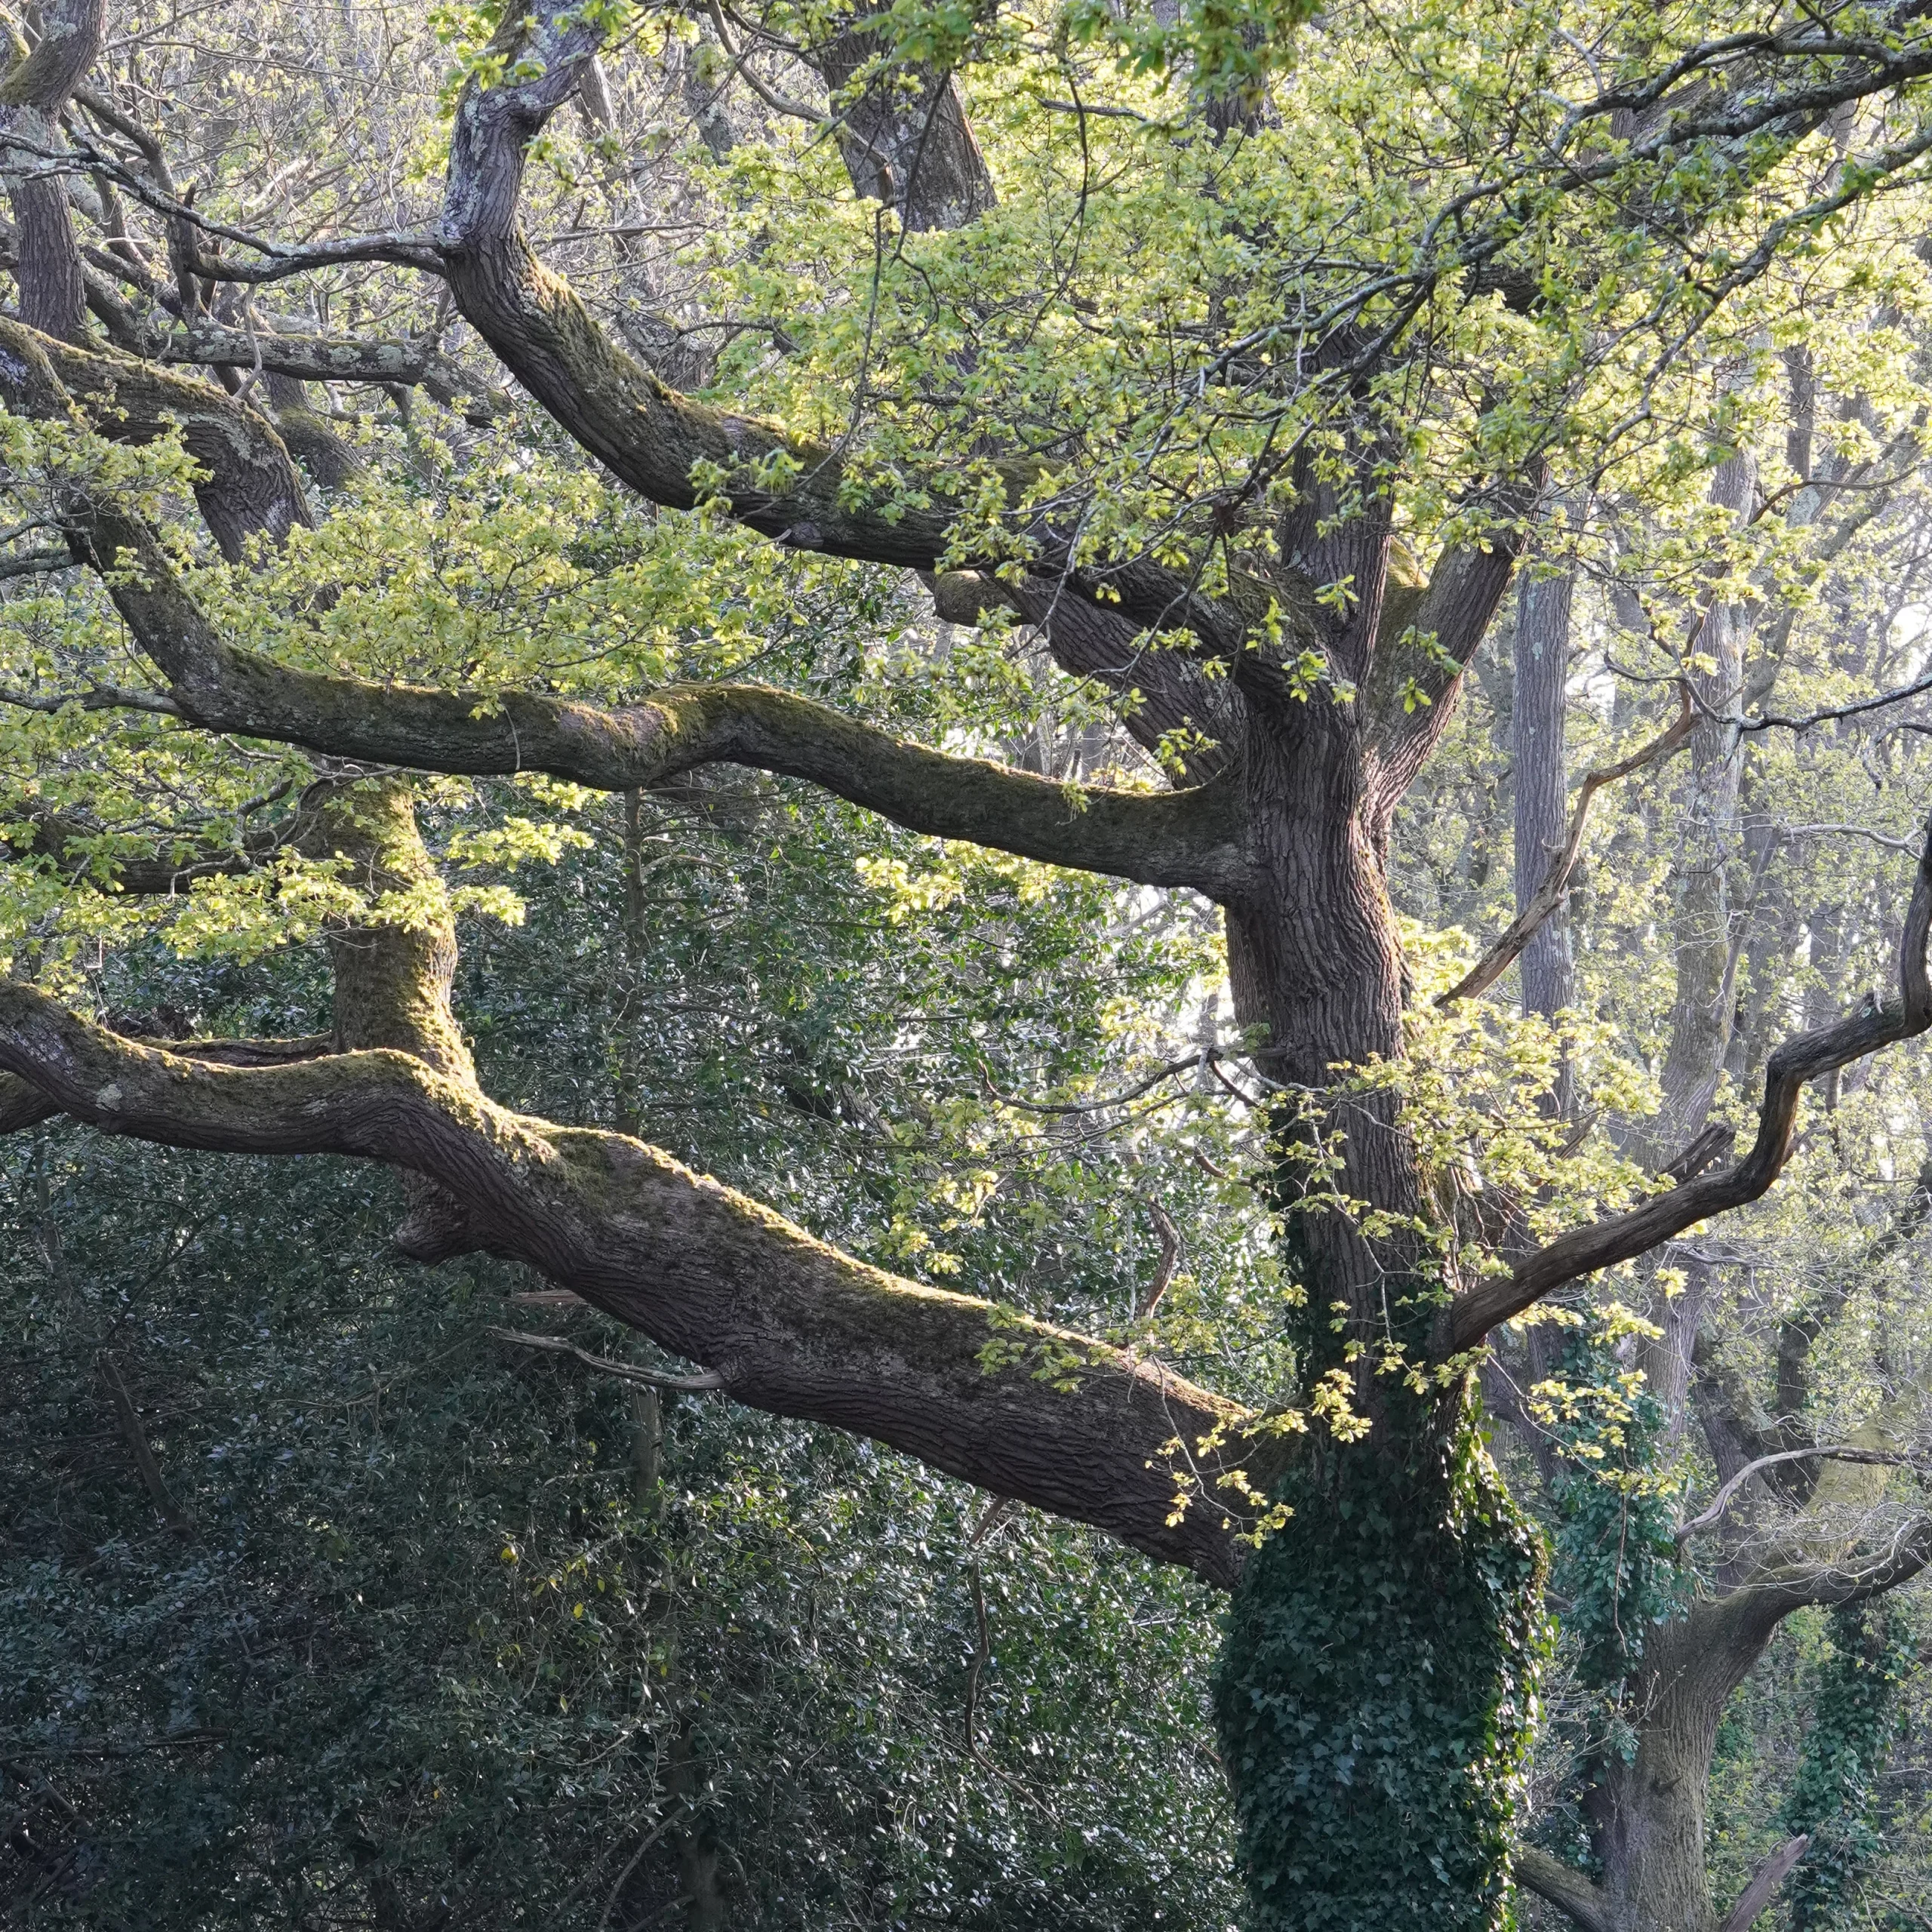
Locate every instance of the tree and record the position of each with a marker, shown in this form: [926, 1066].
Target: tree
[1346, 346]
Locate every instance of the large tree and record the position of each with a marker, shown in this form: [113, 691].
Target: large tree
[1243, 403]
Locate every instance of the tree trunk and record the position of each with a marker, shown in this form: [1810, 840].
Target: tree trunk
[905, 136]
[1537, 742]
[1376, 1692]
[1700, 1019]
[1648, 1817]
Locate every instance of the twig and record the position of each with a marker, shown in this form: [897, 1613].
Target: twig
[1725, 1497]
[1549, 896]
[682, 1384]
[1193, 1062]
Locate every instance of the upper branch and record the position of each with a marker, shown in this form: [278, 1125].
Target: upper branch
[1185, 839]
[797, 492]
[1603, 1244]
[251, 484]
[1425, 644]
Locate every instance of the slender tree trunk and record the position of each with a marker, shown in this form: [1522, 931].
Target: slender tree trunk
[1537, 743]
[1700, 1018]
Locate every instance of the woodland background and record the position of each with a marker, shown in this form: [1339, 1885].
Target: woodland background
[322, 1602]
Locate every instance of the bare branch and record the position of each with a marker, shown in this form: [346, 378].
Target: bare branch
[1722, 1501]
[1765, 1882]
[1773, 720]
[1564, 1887]
[1548, 895]
[624, 1371]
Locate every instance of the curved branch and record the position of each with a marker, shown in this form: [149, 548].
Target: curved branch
[252, 484]
[1564, 1887]
[1602, 1244]
[1710, 1517]
[1186, 838]
[797, 492]
[787, 1324]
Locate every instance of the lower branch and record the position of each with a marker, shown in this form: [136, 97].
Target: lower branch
[1564, 1887]
[786, 1323]
[1765, 1882]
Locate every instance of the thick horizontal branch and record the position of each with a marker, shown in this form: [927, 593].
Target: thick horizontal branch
[1621, 1237]
[787, 1324]
[416, 365]
[23, 1104]
[1563, 1886]
[1184, 839]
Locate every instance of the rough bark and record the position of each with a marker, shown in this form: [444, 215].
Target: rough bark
[250, 486]
[47, 263]
[903, 130]
[787, 1324]
[1701, 1015]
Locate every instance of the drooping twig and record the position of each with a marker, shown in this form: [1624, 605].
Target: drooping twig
[623, 1371]
[1548, 895]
